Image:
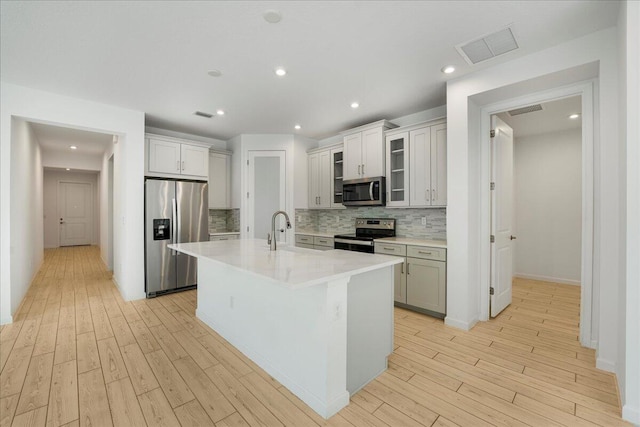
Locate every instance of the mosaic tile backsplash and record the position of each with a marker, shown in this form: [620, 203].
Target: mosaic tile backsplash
[224, 220]
[408, 221]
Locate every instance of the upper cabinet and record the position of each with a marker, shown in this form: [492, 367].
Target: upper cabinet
[364, 151]
[325, 177]
[175, 158]
[417, 165]
[219, 180]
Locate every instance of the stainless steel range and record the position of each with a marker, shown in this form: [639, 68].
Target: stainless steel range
[367, 229]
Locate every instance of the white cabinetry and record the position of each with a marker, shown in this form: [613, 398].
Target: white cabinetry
[417, 165]
[420, 283]
[310, 241]
[325, 177]
[320, 179]
[219, 180]
[175, 158]
[364, 151]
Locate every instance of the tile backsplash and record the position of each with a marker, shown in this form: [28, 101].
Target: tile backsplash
[224, 220]
[408, 221]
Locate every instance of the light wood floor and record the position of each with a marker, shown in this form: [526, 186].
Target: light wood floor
[77, 354]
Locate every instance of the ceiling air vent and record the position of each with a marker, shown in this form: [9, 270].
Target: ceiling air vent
[203, 114]
[525, 110]
[489, 46]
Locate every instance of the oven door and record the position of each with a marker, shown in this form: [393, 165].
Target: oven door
[353, 245]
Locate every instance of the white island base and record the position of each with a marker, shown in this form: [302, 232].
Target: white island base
[322, 339]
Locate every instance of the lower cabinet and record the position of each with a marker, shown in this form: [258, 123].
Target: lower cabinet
[216, 238]
[420, 282]
[426, 284]
[314, 242]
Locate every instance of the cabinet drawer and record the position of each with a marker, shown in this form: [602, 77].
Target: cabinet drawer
[225, 237]
[438, 254]
[323, 241]
[303, 238]
[390, 249]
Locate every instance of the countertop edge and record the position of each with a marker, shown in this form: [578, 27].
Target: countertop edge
[391, 260]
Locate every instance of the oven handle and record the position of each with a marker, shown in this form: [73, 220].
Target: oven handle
[371, 190]
[354, 242]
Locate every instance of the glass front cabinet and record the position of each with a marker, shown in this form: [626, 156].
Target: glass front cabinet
[397, 161]
[337, 167]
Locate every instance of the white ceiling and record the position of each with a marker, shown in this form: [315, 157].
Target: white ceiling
[153, 56]
[554, 117]
[57, 138]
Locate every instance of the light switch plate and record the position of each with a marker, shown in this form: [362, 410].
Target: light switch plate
[424, 220]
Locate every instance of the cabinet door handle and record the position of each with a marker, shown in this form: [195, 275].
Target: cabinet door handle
[433, 195]
[408, 268]
[322, 241]
[402, 268]
[389, 249]
[178, 165]
[425, 253]
[359, 169]
[319, 200]
[363, 169]
[183, 165]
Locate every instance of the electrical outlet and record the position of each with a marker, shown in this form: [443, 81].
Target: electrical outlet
[298, 219]
[424, 220]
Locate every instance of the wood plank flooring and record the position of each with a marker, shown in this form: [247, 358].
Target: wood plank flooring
[77, 354]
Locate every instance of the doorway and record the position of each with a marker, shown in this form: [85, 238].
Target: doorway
[588, 324]
[266, 193]
[75, 212]
[538, 184]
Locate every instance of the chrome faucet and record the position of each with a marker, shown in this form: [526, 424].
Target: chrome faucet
[271, 238]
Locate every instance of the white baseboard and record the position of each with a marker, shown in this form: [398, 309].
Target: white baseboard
[605, 365]
[6, 320]
[460, 324]
[547, 279]
[631, 414]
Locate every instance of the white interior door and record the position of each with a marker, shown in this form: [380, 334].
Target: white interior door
[266, 193]
[501, 215]
[76, 215]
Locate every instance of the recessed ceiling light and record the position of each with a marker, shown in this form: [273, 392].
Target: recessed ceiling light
[220, 112]
[448, 69]
[68, 169]
[297, 127]
[574, 116]
[272, 16]
[280, 71]
[354, 105]
[73, 147]
[214, 73]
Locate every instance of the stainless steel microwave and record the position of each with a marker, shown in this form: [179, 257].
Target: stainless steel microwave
[364, 192]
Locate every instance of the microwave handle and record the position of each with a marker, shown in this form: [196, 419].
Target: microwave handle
[371, 190]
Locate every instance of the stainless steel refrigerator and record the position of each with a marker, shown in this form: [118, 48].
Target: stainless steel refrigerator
[175, 212]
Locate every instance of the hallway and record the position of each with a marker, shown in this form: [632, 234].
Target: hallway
[77, 354]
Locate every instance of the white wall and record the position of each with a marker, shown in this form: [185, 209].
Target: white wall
[25, 180]
[80, 161]
[464, 245]
[548, 206]
[464, 166]
[630, 299]
[49, 108]
[106, 208]
[50, 200]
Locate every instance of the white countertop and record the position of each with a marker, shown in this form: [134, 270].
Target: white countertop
[288, 266]
[223, 233]
[414, 242]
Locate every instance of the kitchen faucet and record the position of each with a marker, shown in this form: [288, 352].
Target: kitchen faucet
[271, 238]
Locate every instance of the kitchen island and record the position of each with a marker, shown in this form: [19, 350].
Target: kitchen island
[321, 323]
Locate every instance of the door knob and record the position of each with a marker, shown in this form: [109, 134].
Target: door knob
[512, 238]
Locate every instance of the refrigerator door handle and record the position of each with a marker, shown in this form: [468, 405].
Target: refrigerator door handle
[174, 221]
